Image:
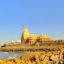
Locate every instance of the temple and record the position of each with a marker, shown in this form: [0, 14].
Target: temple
[31, 38]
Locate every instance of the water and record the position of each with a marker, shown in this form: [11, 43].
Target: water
[6, 55]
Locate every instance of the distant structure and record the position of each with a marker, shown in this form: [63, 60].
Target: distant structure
[31, 39]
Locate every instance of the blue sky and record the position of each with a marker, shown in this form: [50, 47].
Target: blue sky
[39, 16]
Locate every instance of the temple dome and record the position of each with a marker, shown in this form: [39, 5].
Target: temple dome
[43, 36]
[32, 36]
[31, 39]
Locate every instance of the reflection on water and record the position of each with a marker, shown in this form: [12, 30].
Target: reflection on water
[5, 55]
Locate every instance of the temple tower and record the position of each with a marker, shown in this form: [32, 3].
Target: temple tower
[25, 35]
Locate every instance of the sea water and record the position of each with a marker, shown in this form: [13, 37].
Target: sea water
[9, 55]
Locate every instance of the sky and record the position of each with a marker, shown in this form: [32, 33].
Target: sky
[39, 16]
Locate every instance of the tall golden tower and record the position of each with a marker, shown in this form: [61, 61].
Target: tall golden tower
[25, 35]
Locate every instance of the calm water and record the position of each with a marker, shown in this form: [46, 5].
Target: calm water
[5, 55]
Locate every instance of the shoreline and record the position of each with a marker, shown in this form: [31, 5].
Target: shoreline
[35, 54]
[51, 57]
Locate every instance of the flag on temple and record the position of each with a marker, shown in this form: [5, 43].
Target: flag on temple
[23, 26]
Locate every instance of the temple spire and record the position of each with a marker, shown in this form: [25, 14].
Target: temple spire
[25, 34]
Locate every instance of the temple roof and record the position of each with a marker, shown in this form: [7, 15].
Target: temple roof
[43, 36]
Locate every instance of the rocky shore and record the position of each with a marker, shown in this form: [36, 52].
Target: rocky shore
[50, 57]
[35, 54]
